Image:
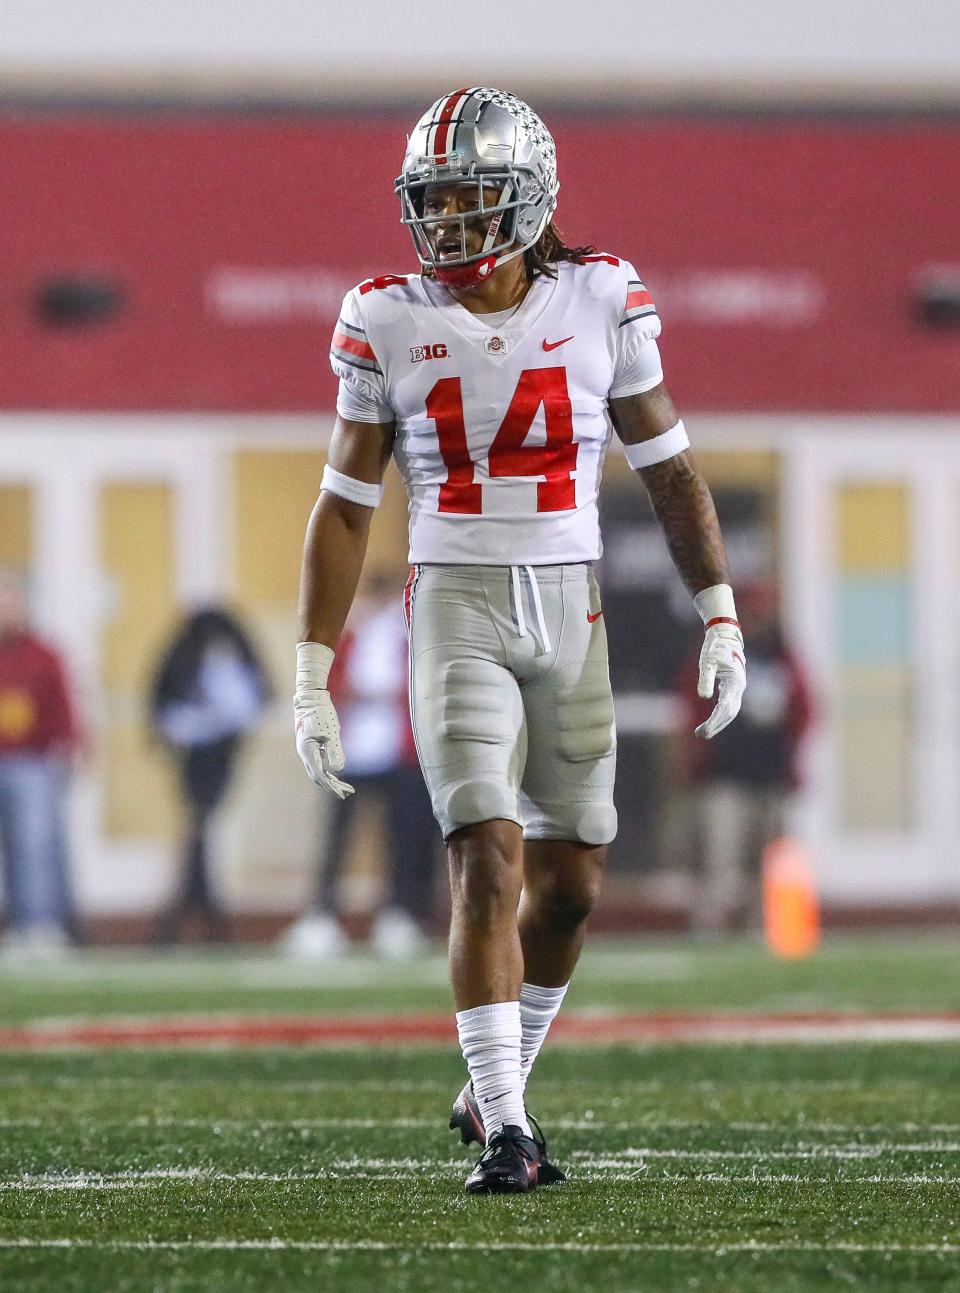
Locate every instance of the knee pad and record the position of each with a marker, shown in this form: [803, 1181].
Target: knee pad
[591, 823]
[475, 800]
[596, 823]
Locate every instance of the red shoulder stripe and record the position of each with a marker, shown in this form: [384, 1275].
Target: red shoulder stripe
[354, 347]
[637, 298]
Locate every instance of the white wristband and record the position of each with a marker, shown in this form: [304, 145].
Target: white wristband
[663, 446]
[313, 666]
[716, 603]
[348, 487]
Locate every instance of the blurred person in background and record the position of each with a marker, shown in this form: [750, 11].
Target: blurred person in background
[208, 693]
[38, 737]
[741, 786]
[369, 684]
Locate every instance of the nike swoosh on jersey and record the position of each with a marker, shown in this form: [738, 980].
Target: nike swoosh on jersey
[593, 618]
[552, 345]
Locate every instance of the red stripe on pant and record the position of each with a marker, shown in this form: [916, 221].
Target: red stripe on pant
[408, 596]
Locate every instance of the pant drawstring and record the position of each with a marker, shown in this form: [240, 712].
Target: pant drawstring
[539, 618]
[518, 601]
[538, 611]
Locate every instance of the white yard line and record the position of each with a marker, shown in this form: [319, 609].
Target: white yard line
[837, 1128]
[247, 1085]
[235, 1124]
[400, 1168]
[719, 1249]
[825, 1152]
[305, 1086]
[145, 1122]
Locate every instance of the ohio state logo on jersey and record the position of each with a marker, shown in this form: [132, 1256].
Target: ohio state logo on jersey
[419, 353]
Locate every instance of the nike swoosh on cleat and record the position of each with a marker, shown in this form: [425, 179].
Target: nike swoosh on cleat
[593, 618]
[552, 345]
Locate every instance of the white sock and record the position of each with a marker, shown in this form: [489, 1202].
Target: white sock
[538, 1009]
[490, 1041]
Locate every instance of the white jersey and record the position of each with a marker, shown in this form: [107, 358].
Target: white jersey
[501, 425]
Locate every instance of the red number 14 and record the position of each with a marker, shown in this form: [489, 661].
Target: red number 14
[509, 456]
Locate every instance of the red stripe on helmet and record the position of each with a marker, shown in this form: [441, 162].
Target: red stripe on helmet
[443, 122]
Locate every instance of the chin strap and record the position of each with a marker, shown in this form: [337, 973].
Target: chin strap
[466, 275]
[496, 219]
[476, 272]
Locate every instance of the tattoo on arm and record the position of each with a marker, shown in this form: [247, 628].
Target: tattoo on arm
[684, 507]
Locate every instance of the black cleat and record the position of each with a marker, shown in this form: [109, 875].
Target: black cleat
[465, 1118]
[509, 1165]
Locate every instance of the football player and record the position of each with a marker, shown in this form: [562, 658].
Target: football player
[494, 377]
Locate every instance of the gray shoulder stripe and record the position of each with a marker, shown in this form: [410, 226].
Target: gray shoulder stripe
[643, 312]
[365, 364]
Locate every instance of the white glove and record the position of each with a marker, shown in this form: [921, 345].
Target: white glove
[722, 659]
[317, 725]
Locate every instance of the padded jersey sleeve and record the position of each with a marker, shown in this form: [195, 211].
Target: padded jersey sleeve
[638, 367]
[363, 395]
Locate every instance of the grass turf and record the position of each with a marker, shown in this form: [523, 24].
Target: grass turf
[738, 1168]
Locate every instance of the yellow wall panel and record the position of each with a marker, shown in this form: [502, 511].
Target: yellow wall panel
[137, 556]
[876, 735]
[739, 467]
[16, 525]
[873, 528]
[273, 496]
[875, 780]
[757, 468]
[274, 493]
[876, 686]
[141, 800]
[388, 546]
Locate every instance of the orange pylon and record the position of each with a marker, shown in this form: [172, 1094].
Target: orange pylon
[791, 910]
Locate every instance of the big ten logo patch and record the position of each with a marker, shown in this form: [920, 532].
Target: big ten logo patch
[419, 353]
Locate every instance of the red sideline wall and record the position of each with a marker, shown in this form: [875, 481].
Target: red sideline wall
[782, 253]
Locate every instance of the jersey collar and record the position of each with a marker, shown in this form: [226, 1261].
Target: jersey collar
[473, 328]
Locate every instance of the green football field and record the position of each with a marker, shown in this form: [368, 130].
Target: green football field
[803, 1165]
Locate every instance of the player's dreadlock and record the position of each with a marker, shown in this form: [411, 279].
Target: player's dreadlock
[549, 250]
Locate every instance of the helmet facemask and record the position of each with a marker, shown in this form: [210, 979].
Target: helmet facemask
[506, 220]
[491, 141]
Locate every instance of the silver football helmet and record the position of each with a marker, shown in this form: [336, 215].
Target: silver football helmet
[493, 141]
